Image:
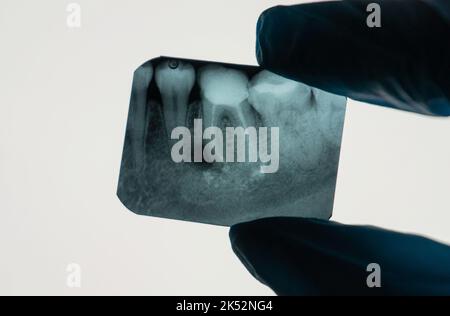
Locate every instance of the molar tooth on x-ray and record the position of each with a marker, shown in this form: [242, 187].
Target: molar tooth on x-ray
[175, 80]
[291, 106]
[224, 93]
[225, 96]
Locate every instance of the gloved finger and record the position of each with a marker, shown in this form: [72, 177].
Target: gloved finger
[296, 256]
[404, 63]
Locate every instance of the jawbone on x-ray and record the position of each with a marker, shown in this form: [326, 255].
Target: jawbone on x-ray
[223, 144]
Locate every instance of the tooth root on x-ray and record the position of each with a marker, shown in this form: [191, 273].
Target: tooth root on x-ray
[224, 95]
[175, 80]
[138, 119]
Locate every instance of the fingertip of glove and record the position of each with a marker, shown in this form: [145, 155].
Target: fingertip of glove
[265, 37]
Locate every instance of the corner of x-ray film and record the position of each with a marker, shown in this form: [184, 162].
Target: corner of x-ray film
[222, 144]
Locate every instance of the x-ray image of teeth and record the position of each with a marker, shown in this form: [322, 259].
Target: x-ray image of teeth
[223, 144]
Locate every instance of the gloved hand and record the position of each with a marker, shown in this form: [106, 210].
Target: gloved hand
[404, 64]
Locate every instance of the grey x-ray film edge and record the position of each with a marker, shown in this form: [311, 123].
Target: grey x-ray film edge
[160, 178]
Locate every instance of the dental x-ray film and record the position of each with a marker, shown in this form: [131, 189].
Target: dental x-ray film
[222, 144]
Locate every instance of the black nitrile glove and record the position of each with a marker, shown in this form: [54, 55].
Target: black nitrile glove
[296, 256]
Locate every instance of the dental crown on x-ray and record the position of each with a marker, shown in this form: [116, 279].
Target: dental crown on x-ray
[191, 121]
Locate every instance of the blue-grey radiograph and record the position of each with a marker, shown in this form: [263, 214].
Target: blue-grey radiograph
[170, 92]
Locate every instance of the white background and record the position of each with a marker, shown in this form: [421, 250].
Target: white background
[63, 108]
